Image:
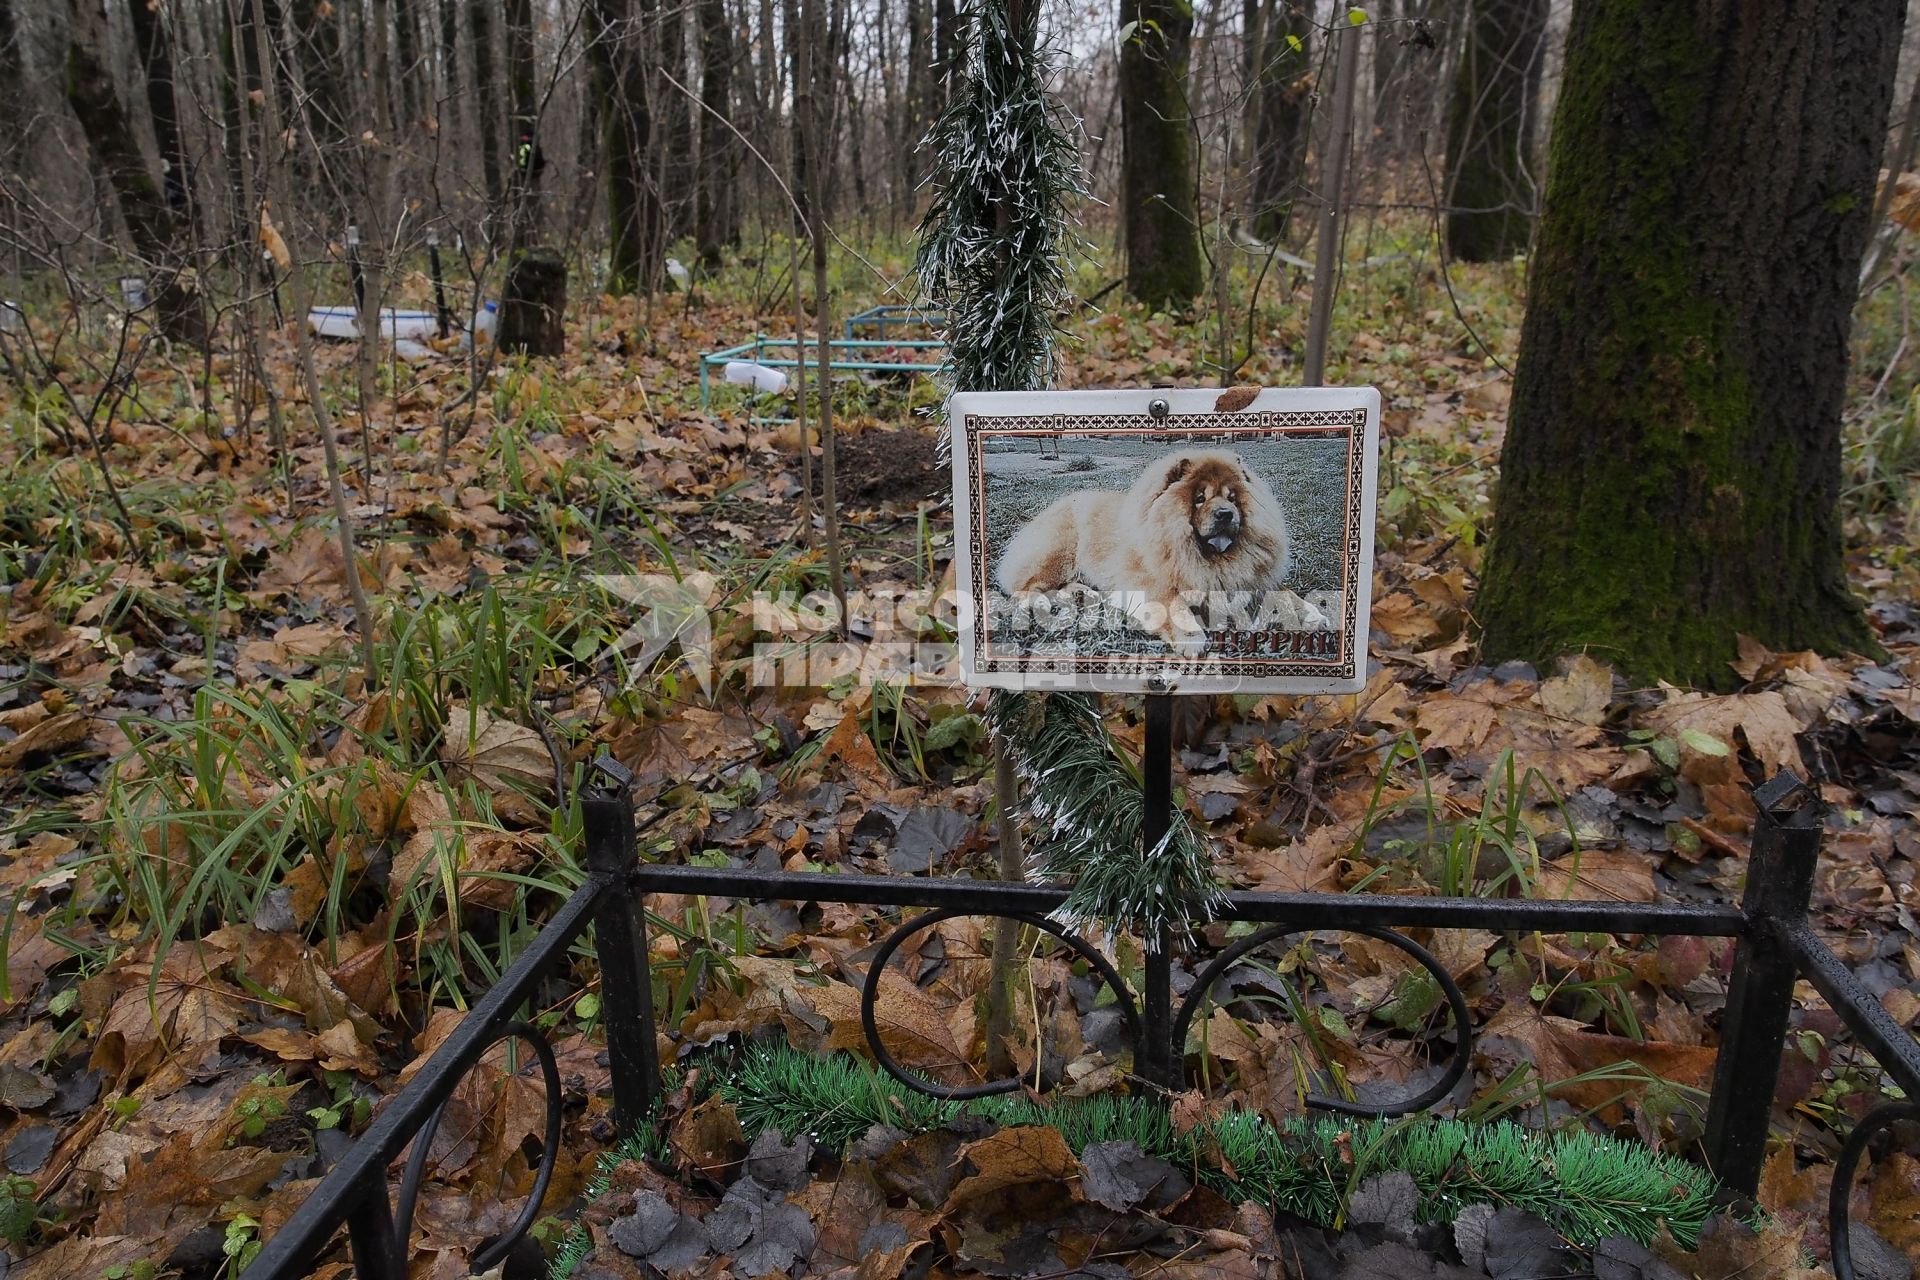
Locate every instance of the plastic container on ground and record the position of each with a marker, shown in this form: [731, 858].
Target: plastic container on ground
[745, 373]
[343, 322]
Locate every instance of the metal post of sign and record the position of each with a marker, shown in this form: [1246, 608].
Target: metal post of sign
[441, 319]
[354, 269]
[1326, 257]
[1159, 1057]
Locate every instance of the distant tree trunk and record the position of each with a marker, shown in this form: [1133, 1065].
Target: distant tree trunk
[1671, 469]
[523, 97]
[949, 53]
[802, 185]
[1157, 187]
[917, 92]
[241, 66]
[406, 47]
[448, 112]
[155, 51]
[317, 27]
[718, 220]
[480, 58]
[377, 143]
[1490, 131]
[812, 120]
[620, 85]
[115, 150]
[672, 119]
[1283, 91]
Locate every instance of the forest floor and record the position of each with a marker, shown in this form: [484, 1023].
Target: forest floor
[256, 875]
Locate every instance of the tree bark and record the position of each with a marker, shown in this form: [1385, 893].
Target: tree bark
[523, 94]
[155, 51]
[672, 120]
[717, 222]
[1158, 183]
[115, 149]
[1671, 470]
[1490, 131]
[480, 60]
[1283, 88]
[802, 184]
[317, 27]
[620, 85]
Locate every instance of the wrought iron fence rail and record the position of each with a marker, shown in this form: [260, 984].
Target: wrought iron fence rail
[1775, 947]
[1891, 1045]
[355, 1190]
[1319, 910]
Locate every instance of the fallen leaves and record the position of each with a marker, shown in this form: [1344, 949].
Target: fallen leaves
[508, 759]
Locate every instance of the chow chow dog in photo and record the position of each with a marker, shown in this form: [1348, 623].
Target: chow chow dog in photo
[1196, 523]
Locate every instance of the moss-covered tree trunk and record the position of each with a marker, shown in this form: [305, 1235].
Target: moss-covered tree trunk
[1157, 181]
[1283, 86]
[115, 150]
[1672, 460]
[1490, 130]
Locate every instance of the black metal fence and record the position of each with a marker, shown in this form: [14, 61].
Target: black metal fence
[1775, 946]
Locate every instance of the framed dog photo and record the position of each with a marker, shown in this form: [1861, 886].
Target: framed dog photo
[1165, 541]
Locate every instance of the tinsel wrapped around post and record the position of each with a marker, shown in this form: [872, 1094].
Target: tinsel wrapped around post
[1083, 798]
[994, 243]
[993, 256]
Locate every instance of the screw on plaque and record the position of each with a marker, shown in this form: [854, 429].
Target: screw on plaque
[1159, 408]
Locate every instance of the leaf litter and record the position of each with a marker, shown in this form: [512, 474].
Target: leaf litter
[185, 1055]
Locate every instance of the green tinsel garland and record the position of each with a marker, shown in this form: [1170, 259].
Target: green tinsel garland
[993, 255]
[994, 245]
[1084, 799]
[1586, 1185]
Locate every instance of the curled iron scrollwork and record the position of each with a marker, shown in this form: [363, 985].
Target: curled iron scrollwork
[1839, 1220]
[1456, 1002]
[870, 994]
[416, 1169]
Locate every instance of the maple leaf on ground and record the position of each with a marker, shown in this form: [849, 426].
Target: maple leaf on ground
[1581, 693]
[505, 758]
[1762, 719]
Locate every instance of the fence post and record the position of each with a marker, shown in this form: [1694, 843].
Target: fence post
[620, 937]
[377, 1255]
[1786, 845]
